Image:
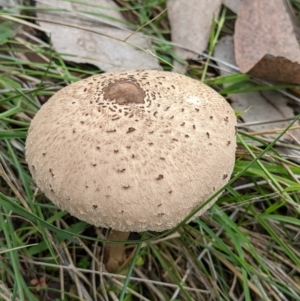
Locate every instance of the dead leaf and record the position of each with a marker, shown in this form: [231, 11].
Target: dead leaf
[11, 6]
[96, 35]
[233, 5]
[262, 109]
[191, 23]
[265, 41]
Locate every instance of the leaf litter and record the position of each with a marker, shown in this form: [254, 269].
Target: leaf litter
[191, 23]
[95, 32]
[264, 113]
[233, 5]
[265, 41]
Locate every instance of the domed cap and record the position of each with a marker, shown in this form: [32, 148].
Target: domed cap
[132, 151]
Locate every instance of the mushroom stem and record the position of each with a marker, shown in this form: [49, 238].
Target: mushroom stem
[114, 253]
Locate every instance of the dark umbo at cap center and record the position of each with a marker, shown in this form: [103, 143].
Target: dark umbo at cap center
[124, 92]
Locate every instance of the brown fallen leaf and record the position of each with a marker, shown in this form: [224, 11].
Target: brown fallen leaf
[265, 41]
[265, 113]
[94, 32]
[191, 23]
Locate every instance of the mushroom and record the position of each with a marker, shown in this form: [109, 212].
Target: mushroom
[132, 151]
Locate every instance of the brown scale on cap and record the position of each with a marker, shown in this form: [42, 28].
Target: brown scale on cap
[132, 140]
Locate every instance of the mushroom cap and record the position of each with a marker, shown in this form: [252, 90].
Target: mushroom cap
[132, 151]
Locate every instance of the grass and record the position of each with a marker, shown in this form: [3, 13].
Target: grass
[246, 247]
